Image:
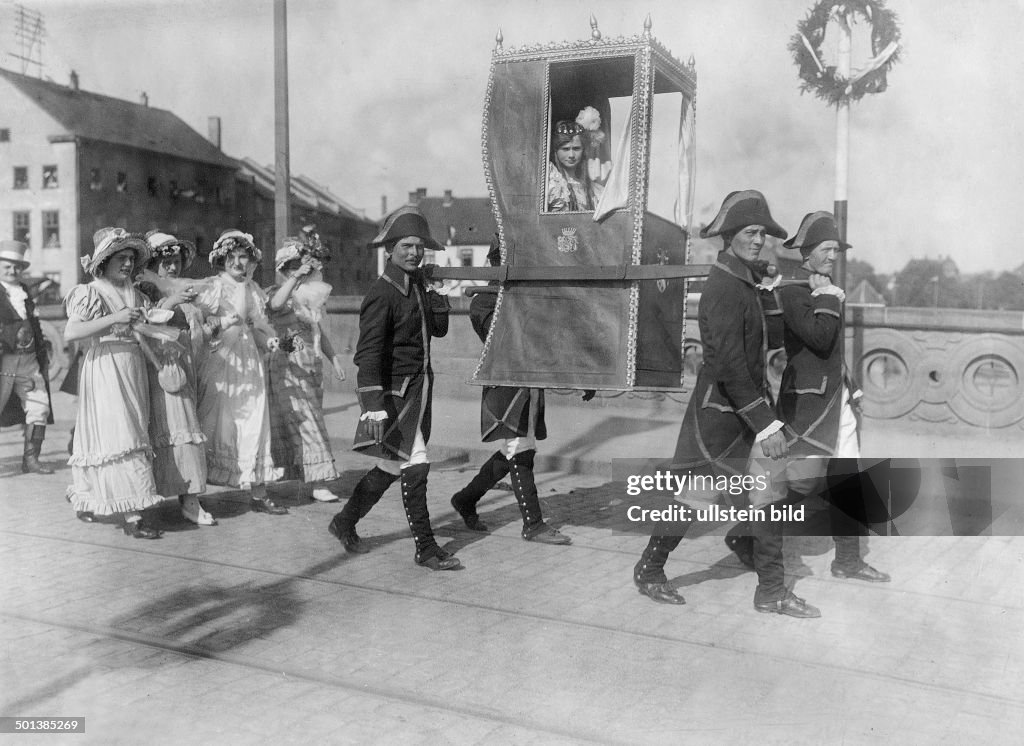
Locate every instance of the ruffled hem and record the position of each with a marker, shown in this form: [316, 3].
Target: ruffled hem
[86, 502]
[227, 473]
[99, 459]
[178, 439]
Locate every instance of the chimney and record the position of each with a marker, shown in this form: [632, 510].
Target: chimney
[447, 201]
[144, 99]
[74, 81]
[383, 204]
[421, 192]
[213, 130]
[414, 198]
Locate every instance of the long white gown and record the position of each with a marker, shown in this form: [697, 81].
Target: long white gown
[232, 386]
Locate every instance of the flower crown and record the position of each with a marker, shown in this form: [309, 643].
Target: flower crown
[231, 240]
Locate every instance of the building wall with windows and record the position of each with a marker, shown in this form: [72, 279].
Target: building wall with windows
[40, 212]
[141, 190]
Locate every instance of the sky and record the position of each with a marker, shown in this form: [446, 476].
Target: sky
[387, 96]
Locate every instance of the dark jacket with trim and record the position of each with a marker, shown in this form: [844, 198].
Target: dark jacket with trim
[396, 321]
[810, 396]
[10, 324]
[504, 410]
[730, 402]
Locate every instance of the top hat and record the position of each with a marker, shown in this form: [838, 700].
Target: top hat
[405, 221]
[14, 251]
[110, 240]
[741, 209]
[164, 244]
[815, 228]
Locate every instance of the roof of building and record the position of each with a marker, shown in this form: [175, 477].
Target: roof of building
[304, 190]
[865, 295]
[459, 221]
[94, 116]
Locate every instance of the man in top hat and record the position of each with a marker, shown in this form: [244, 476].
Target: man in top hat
[817, 395]
[730, 409]
[398, 317]
[23, 358]
[514, 415]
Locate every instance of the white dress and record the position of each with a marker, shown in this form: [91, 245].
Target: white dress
[232, 386]
[111, 461]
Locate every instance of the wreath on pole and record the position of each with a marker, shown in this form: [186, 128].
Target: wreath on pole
[822, 80]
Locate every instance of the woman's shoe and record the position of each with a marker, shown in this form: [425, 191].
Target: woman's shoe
[85, 516]
[137, 530]
[193, 511]
[324, 495]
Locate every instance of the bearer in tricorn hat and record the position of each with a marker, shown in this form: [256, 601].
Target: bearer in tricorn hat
[398, 317]
[23, 358]
[730, 409]
[817, 396]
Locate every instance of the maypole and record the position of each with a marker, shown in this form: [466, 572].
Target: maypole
[838, 84]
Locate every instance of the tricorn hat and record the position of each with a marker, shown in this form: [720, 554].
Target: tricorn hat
[164, 244]
[741, 209]
[14, 251]
[108, 241]
[405, 221]
[815, 228]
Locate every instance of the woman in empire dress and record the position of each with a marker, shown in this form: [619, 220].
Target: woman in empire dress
[232, 378]
[179, 463]
[299, 439]
[111, 460]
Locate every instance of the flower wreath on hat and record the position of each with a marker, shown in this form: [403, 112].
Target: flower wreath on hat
[109, 241]
[163, 245]
[231, 240]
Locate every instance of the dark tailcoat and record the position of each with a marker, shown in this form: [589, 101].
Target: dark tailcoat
[504, 410]
[810, 397]
[396, 321]
[10, 324]
[730, 402]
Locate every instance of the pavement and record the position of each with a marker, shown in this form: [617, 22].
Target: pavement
[261, 630]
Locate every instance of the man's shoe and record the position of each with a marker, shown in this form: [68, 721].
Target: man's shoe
[440, 560]
[137, 530]
[472, 521]
[866, 573]
[548, 535]
[266, 505]
[348, 537]
[790, 605]
[662, 593]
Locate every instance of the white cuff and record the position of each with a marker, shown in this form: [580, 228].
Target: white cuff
[375, 416]
[856, 395]
[769, 431]
[830, 290]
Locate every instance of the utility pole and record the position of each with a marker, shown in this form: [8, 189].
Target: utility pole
[30, 31]
[282, 169]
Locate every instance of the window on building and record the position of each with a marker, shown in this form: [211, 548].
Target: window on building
[466, 255]
[21, 177]
[173, 189]
[5, 135]
[152, 187]
[50, 177]
[95, 179]
[51, 229]
[122, 181]
[21, 222]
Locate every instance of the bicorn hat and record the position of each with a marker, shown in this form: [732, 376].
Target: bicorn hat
[815, 228]
[108, 241]
[14, 251]
[405, 221]
[164, 244]
[741, 209]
